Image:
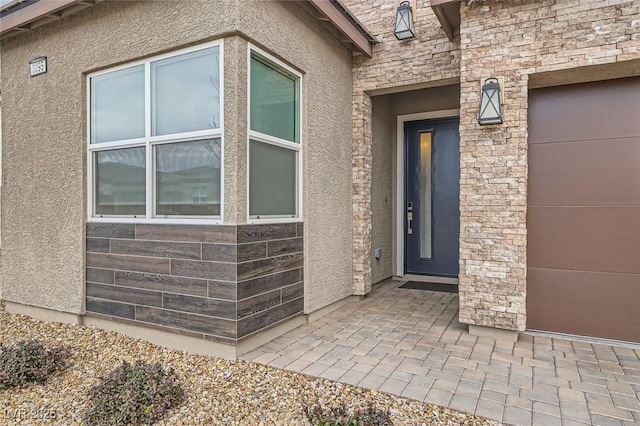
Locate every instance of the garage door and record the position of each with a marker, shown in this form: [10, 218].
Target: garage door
[583, 218]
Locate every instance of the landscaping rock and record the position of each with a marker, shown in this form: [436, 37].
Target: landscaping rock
[218, 391]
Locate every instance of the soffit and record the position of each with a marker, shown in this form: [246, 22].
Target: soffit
[448, 13]
[342, 24]
[24, 15]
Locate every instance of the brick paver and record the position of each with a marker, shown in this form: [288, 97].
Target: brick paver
[409, 343]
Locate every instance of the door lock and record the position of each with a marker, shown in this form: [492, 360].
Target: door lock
[409, 218]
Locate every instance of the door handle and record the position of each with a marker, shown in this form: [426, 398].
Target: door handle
[409, 218]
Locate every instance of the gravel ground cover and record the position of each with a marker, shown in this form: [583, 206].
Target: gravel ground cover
[219, 392]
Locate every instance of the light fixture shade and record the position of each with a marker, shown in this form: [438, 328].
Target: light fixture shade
[490, 103]
[404, 22]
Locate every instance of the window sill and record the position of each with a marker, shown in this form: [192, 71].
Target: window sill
[159, 221]
[274, 220]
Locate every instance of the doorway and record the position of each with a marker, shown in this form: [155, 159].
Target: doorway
[431, 197]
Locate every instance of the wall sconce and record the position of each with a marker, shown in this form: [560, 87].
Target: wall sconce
[404, 22]
[490, 103]
[37, 66]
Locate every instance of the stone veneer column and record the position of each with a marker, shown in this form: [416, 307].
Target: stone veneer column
[362, 163]
[493, 184]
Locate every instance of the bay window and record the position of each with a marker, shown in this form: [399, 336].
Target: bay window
[274, 138]
[155, 137]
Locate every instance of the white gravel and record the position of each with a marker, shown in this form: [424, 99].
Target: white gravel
[218, 391]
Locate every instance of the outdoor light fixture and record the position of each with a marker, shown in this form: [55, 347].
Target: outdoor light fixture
[490, 103]
[404, 22]
[37, 66]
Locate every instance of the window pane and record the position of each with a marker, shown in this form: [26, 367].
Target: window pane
[188, 178]
[272, 180]
[274, 100]
[425, 196]
[185, 93]
[117, 105]
[120, 187]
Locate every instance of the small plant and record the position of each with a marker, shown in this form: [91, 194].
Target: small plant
[339, 416]
[29, 362]
[134, 394]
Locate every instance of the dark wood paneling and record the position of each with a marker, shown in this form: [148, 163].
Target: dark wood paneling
[584, 303]
[280, 247]
[199, 323]
[219, 252]
[259, 303]
[98, 245]
[123, 294]
[182, 278]
[210, 270]
[292, 292]
[271, 282]
[157, 249]
[600, 110]
[200, 305]
[271, 265]
[111, 230]
[267, 318]
[190, 233]
[104, 276]
[128, 263]
[589, 173]
[253, 233]
[605, 239]
[252, 251]
[162, 283]
[300, 229]
[114, 309]
[222, 290]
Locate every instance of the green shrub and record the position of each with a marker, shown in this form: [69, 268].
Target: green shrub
[339, 416]
[134, 394]
[29, 361]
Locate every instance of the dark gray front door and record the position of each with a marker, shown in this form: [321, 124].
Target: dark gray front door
[432, 213]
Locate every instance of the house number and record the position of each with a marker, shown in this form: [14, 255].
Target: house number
[37, 66]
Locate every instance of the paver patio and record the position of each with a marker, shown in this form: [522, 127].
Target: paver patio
[409, 343]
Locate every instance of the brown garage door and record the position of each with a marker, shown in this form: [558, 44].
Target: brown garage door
[583, 218]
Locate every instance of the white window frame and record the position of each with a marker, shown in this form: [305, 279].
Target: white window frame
[273, 140]
[149, 142]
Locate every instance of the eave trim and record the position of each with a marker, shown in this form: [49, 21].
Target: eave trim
[39, 13]
[448, 13]
[356, 36]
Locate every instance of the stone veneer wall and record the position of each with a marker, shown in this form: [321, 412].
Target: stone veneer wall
[517, 40]
[219, 282]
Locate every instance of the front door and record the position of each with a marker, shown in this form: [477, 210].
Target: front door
[432, 189]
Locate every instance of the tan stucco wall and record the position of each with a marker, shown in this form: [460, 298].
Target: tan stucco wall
[0, 174]
[45, 152]
[327, 134]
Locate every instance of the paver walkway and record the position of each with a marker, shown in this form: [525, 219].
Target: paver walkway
[409, 343]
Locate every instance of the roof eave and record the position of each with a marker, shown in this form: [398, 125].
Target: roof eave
[355, 35]
[40, 13]
[448, 13]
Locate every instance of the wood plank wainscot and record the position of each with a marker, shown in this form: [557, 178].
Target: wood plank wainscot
[223, 283]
